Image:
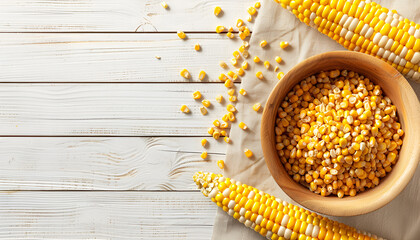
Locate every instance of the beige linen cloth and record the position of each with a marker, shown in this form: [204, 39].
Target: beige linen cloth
[400, 219]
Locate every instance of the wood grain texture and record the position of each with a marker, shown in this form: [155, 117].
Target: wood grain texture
[117, 16]
[96, 163]
[395, 86]
[73, 57]
[106, 215]
[106, 109]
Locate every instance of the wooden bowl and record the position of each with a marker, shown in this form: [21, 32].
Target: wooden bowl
[403, 97]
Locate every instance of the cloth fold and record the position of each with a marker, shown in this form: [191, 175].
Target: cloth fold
[399, 219]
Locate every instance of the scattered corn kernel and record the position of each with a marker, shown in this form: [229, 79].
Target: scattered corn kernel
[251, 10]
[230, 108]
[243, 126]
[245, 44]
[225, 118]
[203, 142]
[242, 92]
[248, 153]
[223, 133]
[210, 131]
[217, 10]
[284, 44]
[259, 75]
[164, 4]
[228, 83]
[239, 23]
[245, 54]
[220, 29]
[267, 64]
[204, 155]
[245, 65]
[240, 71]
[232, 75]
[219, 98]
[216, 123]
[263, 43]
[276, 69]
[236, 54]
[201, 75]
[278, 59]
[221, 164]
[233, 98]
[257, 59]
[224, 125]
[227, 139]
[234, 61]
[197, 47]
[280, 75]
[231, 92]
[185, 109]
[222, 77]
[257, 5]
[223, 64]
[157, 57]
[206, 103]
[185, 74]
[256, 107]
[196, 95]
[231, 116]
[230, 29]
[203, 110]
[216, 134]
[230, 35]
[181, 34]
[249, 18]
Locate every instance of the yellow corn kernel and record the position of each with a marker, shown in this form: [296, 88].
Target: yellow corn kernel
[245, 65]
[257, 5]
[251, 10]
[243, 126]
[206, 103]
[217, 10]
[245, 54]
[164, 4]
[239, 23]
[231, 116]
[228, 83]
[280, 75]
[267, 64]
[223, 64]
[256, 107]
[226, 139]
[224, 125]
[222, 77]
[233, 98]
[203, 110]
[225, 118]
[216, 134]
[220, 29]
[185, 109]
[234, 61]
[203, 142]
[230, 35]
[276, 69]
[201, 75]
[240, 71]
[259, 75]
[232, 75]
[231, 92]
[242, 92]
[221, 164]
[197, 47]
[284, 44]
[236, 54]
[242, 35]
[263, 43]
[219, 98]
[278, 59]
[256, 59]
[196, 95]
[204, 155]
[223, 133]
[249, 18]
[181, 34]
[210, 131]
[185, 74]
[248, 153]
[230, 108]
[216, 123]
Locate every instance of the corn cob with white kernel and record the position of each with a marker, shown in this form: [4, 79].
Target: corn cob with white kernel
[364, 26]
[270, 216]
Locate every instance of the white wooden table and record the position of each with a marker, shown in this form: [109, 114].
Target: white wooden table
[92, 142]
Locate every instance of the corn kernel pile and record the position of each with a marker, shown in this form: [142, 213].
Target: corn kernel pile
[336, 133]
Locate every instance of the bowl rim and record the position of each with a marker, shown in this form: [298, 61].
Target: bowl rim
[330, 205]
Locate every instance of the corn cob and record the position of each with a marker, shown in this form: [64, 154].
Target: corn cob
[270, 216]
[364, 26]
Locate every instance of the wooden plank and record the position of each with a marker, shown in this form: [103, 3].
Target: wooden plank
[118, 16]
[115, 57]
[97, 163]
[106, 215]
[106, 109]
